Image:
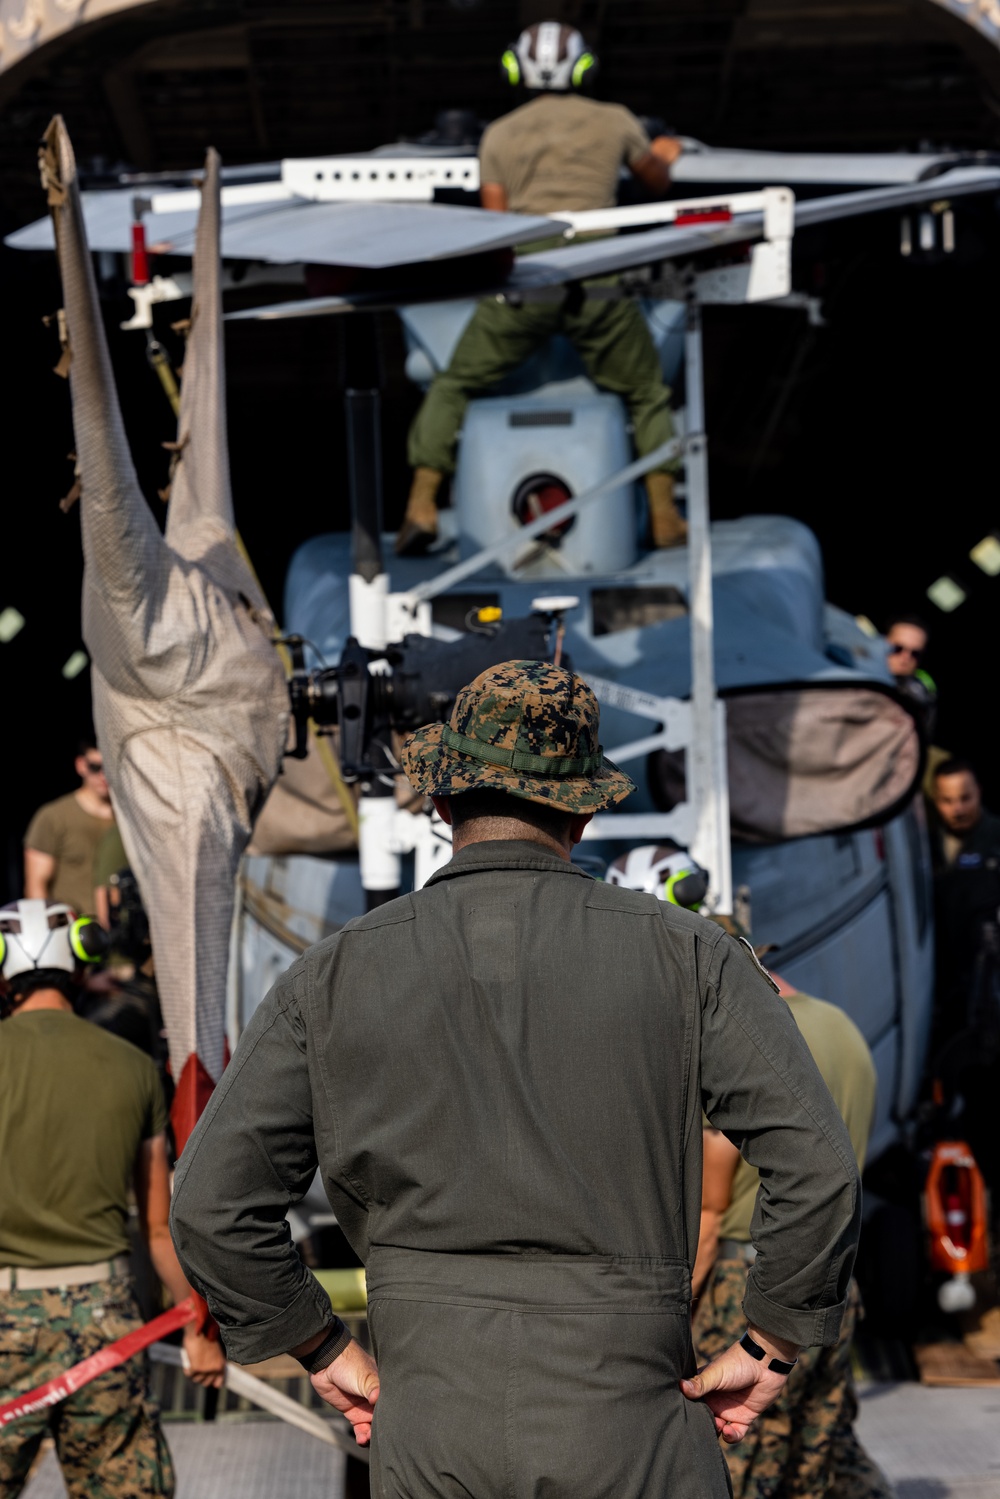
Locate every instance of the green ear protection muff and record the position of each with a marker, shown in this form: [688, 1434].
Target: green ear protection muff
[583, 74]
[584, 70]
[510, 67]
[3, 948]
[88, 940]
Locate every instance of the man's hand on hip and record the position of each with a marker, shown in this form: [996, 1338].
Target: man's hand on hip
[737, 1388]
[350, 1385]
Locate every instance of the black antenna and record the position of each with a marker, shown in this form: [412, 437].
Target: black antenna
[364, 462]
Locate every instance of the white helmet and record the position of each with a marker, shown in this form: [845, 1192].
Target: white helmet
[663, 870]
[46, 934]
[549, 56]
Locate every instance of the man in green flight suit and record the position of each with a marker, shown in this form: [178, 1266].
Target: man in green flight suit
[560, 151]
[501, 1077]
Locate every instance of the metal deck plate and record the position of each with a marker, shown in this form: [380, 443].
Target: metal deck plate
[237, 1460]
[932, 1443]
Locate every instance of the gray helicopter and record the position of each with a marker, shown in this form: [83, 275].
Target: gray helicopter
[760, 723]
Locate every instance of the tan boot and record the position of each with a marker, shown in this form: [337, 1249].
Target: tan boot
[420, 523]
[667, 527]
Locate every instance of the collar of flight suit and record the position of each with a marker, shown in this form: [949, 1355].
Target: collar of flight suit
[504, 853]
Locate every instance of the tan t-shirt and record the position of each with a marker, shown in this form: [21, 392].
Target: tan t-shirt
[561, 152]
[71, 836]
[842, 1056]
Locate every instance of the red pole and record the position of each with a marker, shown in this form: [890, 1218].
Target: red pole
[140, 257]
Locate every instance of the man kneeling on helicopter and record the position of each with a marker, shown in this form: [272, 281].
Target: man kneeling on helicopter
[558, 152]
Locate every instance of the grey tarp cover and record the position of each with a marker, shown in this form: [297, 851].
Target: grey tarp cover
[305, 813]
[190, 703]
[811, 760]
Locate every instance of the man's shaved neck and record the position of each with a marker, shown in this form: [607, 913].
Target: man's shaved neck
[42, 999]
[507, 830]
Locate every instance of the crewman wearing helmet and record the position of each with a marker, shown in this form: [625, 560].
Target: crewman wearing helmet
[559, 151]
[501, 1078]
[663, 869]
[82, 1118]
[806, 1442]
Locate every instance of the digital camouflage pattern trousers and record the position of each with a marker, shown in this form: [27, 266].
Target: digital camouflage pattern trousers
[107, 1434]
[804, 1446]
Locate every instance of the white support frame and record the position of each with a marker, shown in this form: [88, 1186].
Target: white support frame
[180, 285]
[775, 203]
[707, 770]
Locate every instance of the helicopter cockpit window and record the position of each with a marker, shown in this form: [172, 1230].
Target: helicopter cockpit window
[614, 609]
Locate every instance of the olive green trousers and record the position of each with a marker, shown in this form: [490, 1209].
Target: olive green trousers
[611, 338]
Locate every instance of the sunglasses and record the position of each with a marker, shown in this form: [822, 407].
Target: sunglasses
[96, 767]
[905, 650]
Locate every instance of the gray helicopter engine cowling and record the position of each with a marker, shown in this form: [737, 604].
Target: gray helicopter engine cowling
[574, 435]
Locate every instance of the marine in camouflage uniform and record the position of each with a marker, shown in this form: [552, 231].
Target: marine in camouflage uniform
[804, 1446]
[107, 1435]
[82, 1130]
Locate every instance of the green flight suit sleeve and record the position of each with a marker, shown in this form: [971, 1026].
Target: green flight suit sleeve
[761, 1087]
[251, 1157]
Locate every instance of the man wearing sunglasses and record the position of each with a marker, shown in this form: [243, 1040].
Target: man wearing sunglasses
[908, 636]
[63, 836]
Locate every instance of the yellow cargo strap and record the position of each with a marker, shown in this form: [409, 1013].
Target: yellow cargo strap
[159, 361]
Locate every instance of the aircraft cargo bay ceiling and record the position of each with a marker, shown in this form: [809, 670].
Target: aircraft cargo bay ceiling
[150, 83]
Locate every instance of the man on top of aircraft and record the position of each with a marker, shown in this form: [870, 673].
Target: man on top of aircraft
[501, 1077]
[559, 151]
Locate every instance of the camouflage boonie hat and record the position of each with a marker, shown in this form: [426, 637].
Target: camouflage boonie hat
[524, 727]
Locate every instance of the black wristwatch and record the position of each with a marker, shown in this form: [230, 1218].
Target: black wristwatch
[324, 1353]
[777, 1365]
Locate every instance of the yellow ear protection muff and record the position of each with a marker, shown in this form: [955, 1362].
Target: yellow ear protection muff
[3, 948]
[584, 71]
[88, 940]
[687, 888]
[510, 67]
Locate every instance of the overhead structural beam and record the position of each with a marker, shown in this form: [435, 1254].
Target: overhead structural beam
[982, 15]
[26, 26]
